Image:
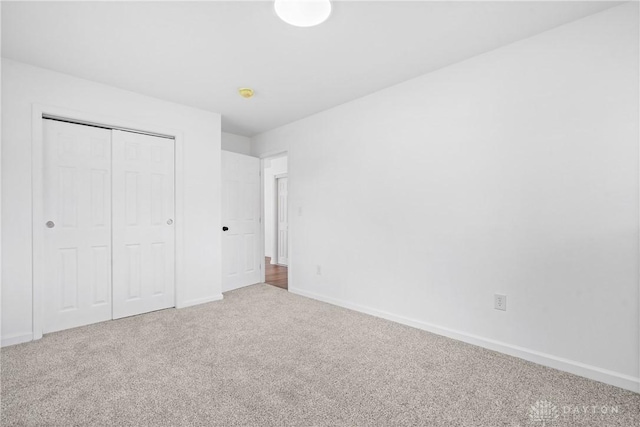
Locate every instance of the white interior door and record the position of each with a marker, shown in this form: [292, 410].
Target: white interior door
[143, 230]
[77, 238]
[283, 222]
[241, 251]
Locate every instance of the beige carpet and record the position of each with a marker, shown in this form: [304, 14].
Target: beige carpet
[265, 357]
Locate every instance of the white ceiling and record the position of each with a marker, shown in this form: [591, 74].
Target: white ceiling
[199, 53]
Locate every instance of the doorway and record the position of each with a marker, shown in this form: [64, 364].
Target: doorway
[276, 220]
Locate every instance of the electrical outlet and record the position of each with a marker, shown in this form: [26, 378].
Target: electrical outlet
[500, 302]
[318, 270]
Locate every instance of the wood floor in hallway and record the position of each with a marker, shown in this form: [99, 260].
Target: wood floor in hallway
[276, 275]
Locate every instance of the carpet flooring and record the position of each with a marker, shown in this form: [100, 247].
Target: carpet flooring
[266, 357]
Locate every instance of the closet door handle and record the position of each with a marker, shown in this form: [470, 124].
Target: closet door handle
[169, 221]
[225, 228]
[50, 224]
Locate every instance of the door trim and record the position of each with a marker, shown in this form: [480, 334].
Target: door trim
[38, 113]
[275, 238]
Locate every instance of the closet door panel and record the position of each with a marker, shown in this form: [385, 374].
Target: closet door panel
[77, 228]
[143, 228]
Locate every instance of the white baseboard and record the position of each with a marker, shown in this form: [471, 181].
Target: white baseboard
[198, 301]
[233, 288]
[16, 339]
[588, 371]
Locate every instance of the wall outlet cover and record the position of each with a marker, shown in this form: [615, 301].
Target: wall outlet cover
[500, 302]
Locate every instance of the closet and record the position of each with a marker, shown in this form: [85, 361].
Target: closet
[109, 241]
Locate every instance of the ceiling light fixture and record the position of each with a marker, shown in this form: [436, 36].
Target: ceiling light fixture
[303, 13]
[245, 92]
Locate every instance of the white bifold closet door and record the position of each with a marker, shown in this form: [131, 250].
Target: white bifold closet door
[77, 238]
[143, 230]
[109, 233]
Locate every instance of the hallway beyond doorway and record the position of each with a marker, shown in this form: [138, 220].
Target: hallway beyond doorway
[276, 275]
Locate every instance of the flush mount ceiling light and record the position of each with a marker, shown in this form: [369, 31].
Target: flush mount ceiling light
[245, 92]
[303, 13]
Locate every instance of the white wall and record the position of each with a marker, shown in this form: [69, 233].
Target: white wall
[23, 85]
[277, 166]
[236, 143]
[0, 184]
[513, 172]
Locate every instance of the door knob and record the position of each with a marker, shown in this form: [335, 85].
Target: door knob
[169, 221]
[50, 224]
[225, 228]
